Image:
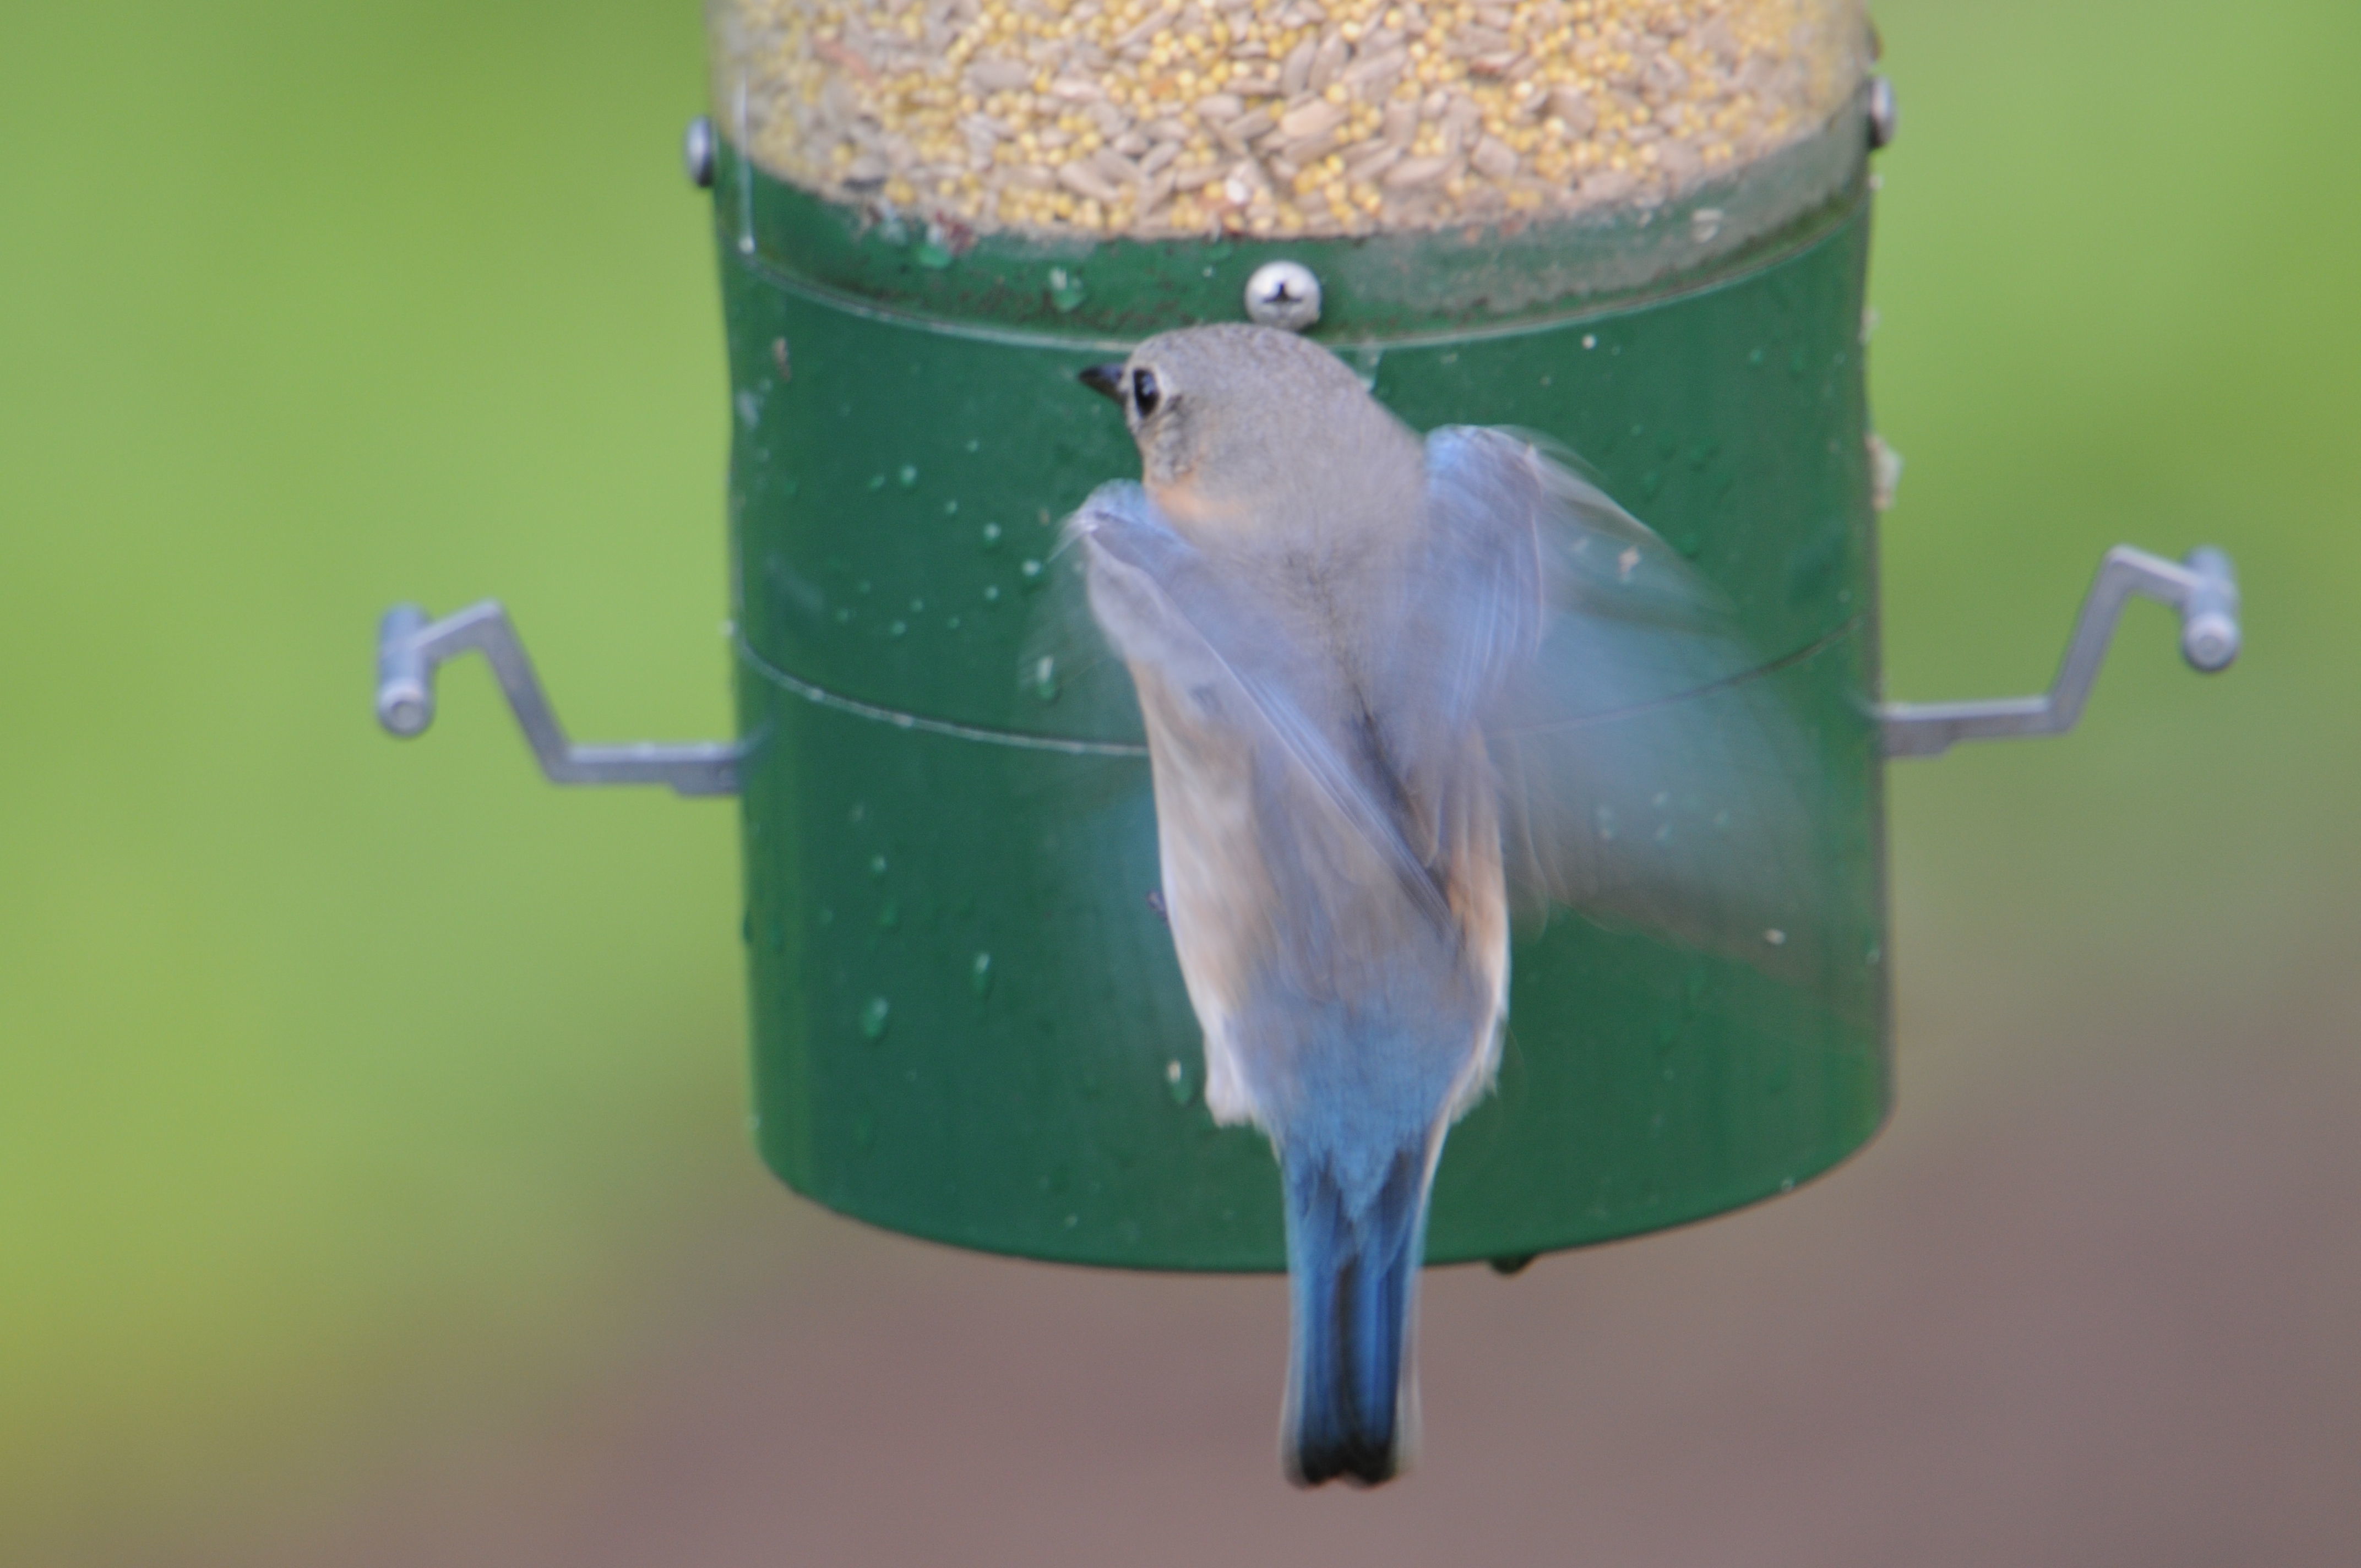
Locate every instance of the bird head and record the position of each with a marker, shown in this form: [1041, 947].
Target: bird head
[1238, 423]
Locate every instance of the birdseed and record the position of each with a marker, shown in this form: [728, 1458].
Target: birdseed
[1272, 117]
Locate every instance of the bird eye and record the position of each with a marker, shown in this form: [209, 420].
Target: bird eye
[1144, 393]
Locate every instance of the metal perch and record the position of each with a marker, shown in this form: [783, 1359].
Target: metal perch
[409, 648]
[2204, 591]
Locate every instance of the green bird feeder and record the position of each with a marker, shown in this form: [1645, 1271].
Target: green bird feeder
[1638, 228]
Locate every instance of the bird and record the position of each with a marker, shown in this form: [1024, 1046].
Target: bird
[1386, 681]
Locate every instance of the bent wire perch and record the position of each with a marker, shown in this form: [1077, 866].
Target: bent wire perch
[412, 648]
[409, 648]
[2204, 591]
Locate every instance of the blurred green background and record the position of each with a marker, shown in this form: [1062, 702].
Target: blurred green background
[359, 1100]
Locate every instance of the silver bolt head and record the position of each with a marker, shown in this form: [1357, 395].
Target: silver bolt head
[404, 707]
[1284, 294]
[1884, 113]
[2210, 641]
[696, 152]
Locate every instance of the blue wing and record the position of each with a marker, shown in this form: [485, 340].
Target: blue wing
[1164, 606]
[1646, 774]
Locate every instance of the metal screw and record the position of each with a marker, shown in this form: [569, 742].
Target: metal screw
[405, 713]
[405, 693]
[696, 152]
[1284, 294]
[2210, 643]
[1885, 115]
[2209, 623]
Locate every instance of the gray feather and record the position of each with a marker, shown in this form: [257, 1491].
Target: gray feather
[1164, 606]
[1646, 775]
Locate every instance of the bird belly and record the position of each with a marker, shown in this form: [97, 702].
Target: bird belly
[1327, 992]
[1216, 895]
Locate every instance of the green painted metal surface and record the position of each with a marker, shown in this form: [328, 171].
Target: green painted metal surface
[969, 1023]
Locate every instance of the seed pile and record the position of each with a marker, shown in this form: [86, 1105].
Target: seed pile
[1317, 117]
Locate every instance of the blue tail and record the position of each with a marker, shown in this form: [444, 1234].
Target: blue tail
[1354, 1250]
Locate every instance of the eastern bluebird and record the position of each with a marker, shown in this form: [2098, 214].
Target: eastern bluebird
[1381, 679]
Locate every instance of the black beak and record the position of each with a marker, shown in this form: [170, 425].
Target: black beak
[1104, 380]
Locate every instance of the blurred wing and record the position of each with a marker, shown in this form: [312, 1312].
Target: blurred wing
[1064, 658]
[1648, 774]
[1162, 605]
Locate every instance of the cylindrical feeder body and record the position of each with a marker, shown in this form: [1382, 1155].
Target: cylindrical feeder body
[1637, 229]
